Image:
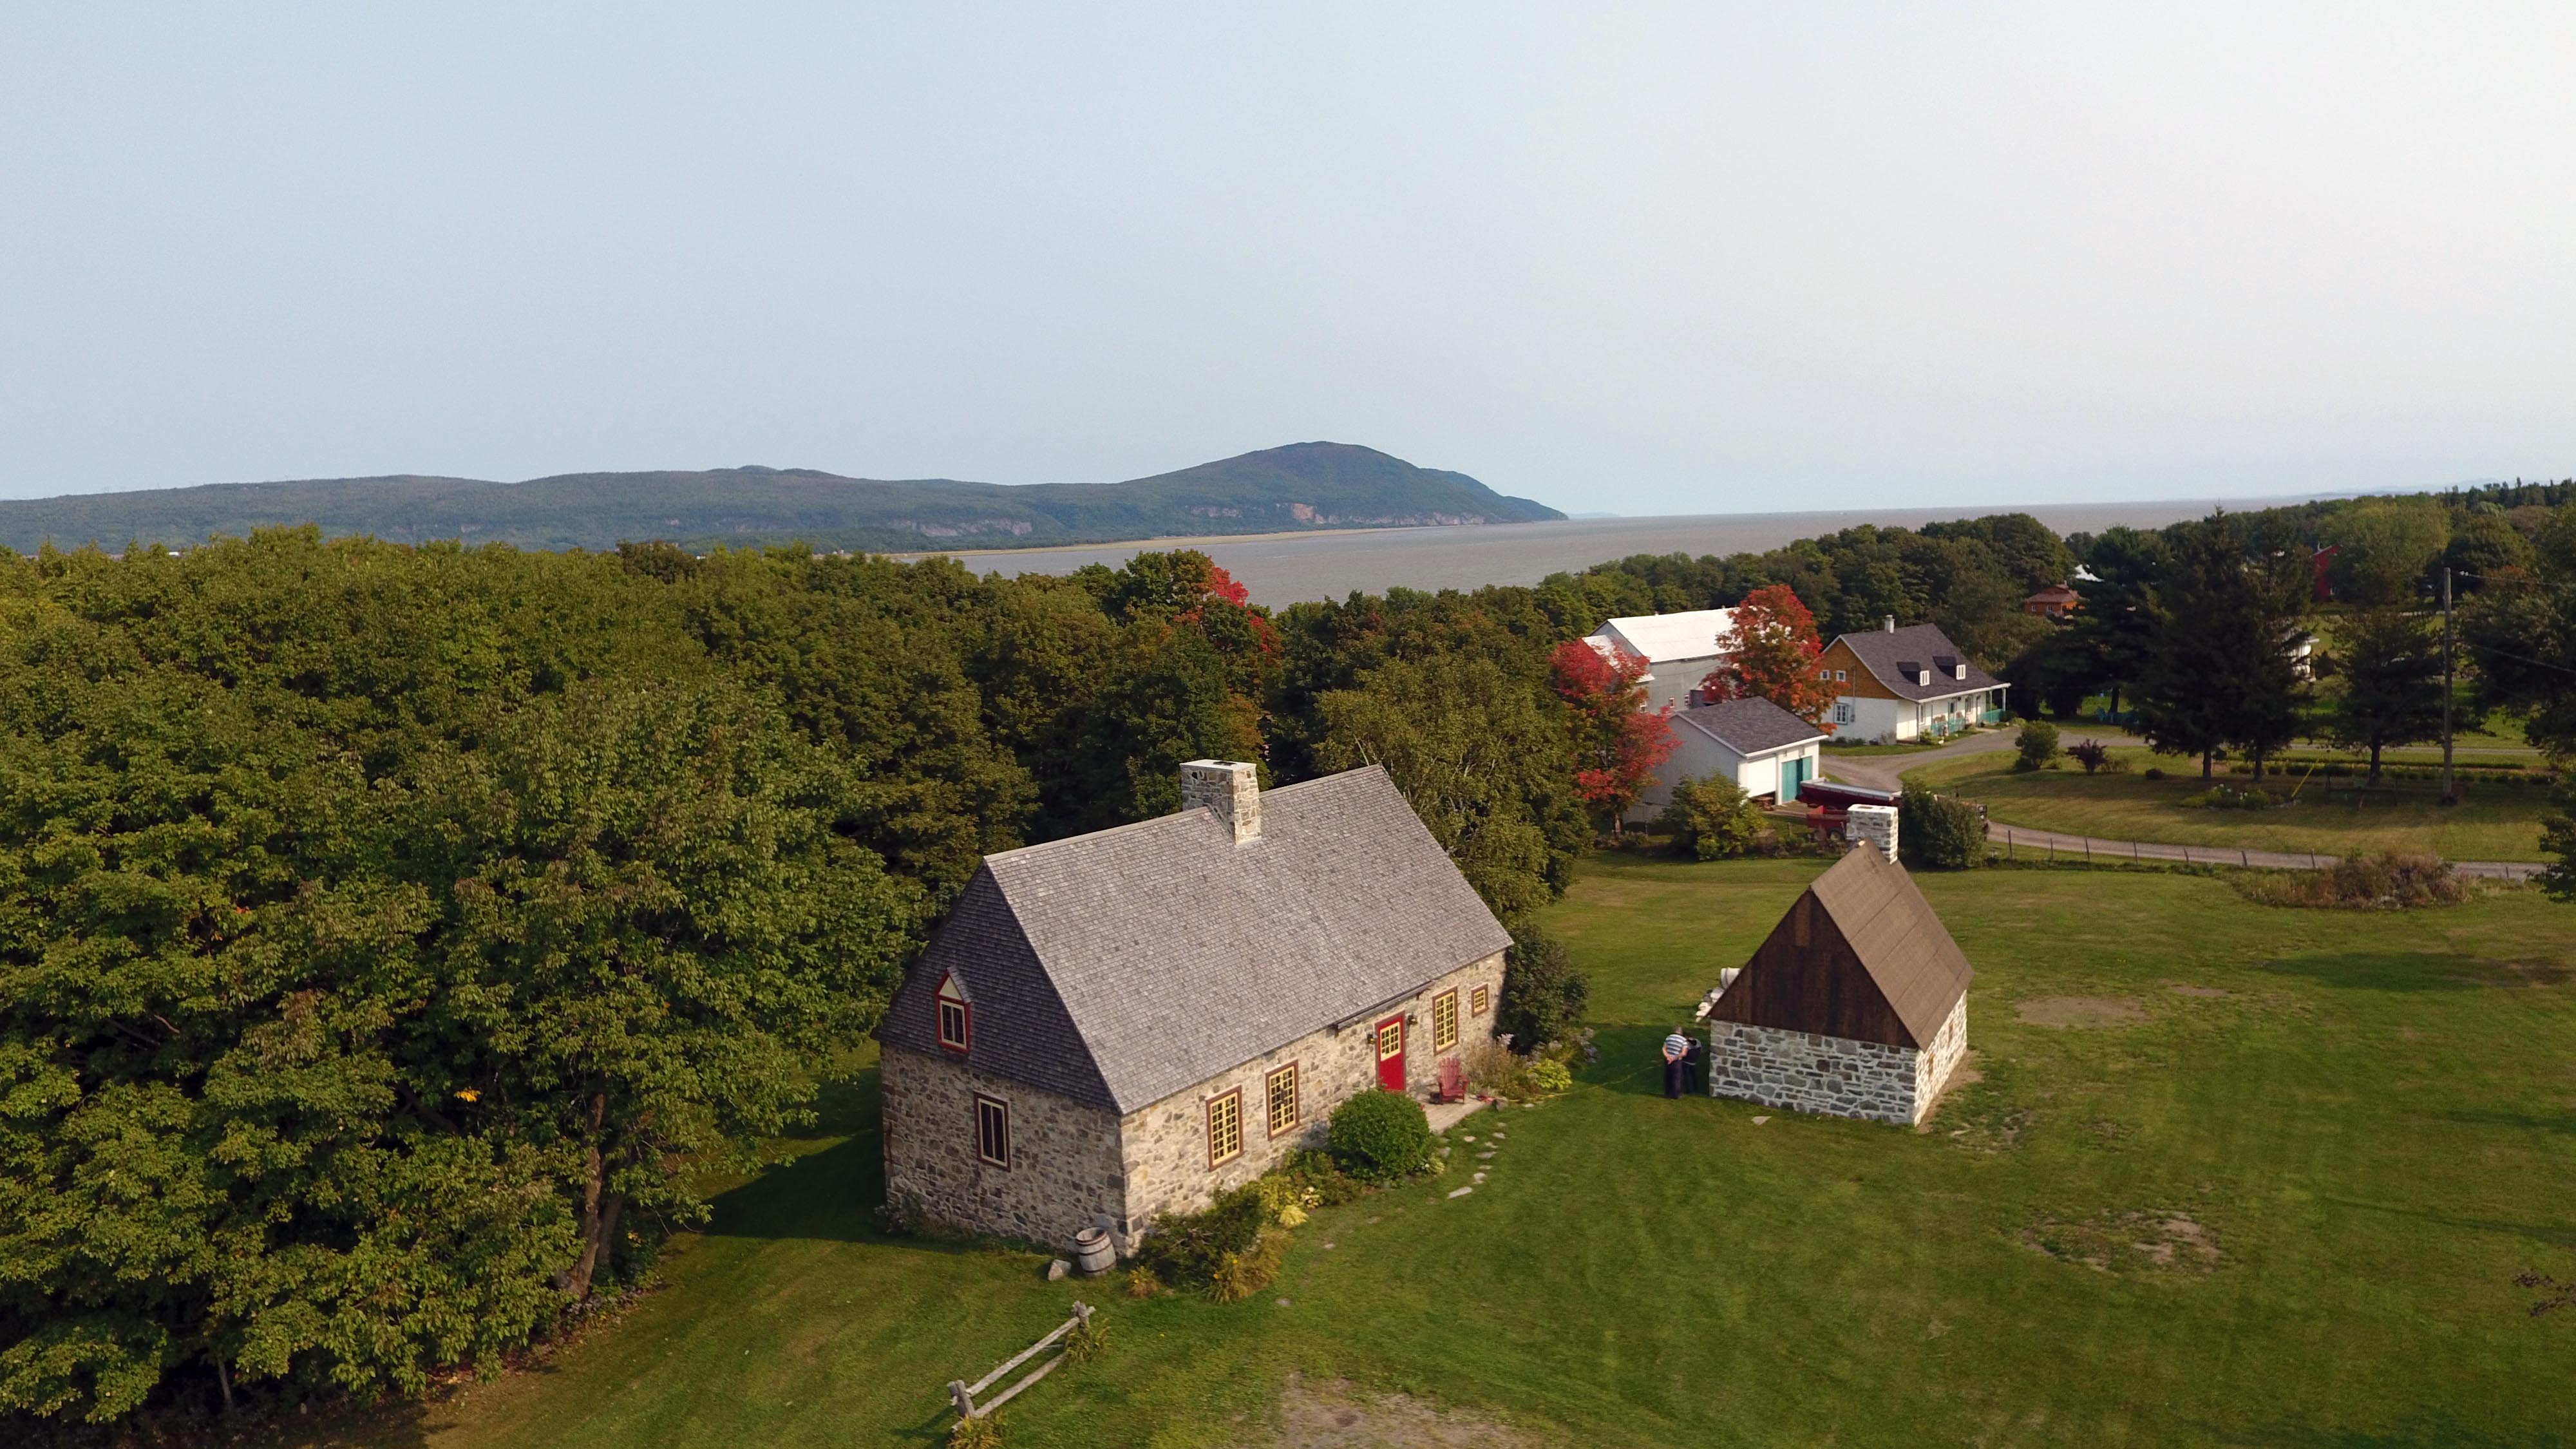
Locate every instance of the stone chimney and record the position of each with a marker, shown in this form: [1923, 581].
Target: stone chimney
[1888, 622]
[1231, 788]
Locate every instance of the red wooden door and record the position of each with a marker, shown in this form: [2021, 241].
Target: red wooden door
[1390, 1053]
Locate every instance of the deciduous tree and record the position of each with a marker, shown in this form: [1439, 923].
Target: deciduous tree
[1772, 655]
[1618, 741]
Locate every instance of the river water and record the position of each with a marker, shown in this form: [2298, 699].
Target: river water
[1283, 568]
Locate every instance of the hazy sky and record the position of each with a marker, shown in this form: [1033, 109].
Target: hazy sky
[1686, 258]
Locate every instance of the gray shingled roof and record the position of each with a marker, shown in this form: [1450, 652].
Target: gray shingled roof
[1897, 937]
[1884, 652]
[1119, 967]
[1749, 726]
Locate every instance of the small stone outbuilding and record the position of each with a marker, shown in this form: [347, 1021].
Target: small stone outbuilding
[1856, 1005]
[1127, 1023]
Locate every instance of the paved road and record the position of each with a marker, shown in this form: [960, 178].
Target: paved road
[1884, 772]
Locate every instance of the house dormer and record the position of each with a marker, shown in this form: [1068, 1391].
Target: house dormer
[955, 1026]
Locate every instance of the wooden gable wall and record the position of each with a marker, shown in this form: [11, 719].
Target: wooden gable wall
[1806, 977]
[1859, 682]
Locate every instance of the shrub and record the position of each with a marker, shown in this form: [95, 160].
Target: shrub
[2035, 745]
[1240, 1275]
[1379, 1136]
[1320, 1180]
[1186, 1250]
[1543, 995]
[983, 1433]
[2091, 754]
[1711, 818]
[1549, 1075]
[1936, 833]
[2155, 772]
[1143, 1283]
[1088, 1340]
[2386, 882]
[1284, 1199]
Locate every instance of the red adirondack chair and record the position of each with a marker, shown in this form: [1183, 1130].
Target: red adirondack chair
[1453, 1082]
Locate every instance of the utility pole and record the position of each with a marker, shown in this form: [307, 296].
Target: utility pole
[2447, 797]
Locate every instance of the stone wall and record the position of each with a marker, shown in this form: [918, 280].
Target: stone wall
[1810, 1073]
[1933, 1065]
[1166, 1144]
[1064, 1168]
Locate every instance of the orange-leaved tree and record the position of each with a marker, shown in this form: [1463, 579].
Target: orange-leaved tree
[1618, 741]
[1773, 656]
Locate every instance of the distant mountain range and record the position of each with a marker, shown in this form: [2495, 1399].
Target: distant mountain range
[1300, 487]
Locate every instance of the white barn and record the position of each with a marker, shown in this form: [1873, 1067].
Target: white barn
[1680, 650]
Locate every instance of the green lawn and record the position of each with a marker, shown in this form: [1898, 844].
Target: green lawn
[2496, 821]
[2375, 1126]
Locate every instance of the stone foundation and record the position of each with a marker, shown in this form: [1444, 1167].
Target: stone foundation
[1805, 1072]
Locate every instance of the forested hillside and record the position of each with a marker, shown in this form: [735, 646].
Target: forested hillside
[390, 937]
[1301, 486]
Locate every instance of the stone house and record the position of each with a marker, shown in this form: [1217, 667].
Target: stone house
[1902, 684]
[1856, 1005]
[1128, 1023]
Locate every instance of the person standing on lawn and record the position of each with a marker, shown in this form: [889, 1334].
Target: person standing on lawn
[1676, 1063]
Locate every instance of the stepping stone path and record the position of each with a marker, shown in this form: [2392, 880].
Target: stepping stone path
[1483, 1155]
[1462, 1192]
[1758, 1121]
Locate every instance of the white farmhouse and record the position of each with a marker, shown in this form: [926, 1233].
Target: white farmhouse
[1904, 684]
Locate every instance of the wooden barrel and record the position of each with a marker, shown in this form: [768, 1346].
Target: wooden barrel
[1093, 1252]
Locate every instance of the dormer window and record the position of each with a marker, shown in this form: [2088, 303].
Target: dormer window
[956, 1016]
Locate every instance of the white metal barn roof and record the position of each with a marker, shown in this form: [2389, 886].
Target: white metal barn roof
[1663, 637]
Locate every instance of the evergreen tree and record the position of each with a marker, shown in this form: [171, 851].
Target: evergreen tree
[2392, 683]
[2220, 675]
[2114, 630]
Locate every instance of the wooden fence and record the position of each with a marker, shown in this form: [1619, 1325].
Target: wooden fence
[962, 1394]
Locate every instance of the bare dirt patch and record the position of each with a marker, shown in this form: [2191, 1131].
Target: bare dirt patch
[2180, 988]
[2130, 1242]
[1338, 1414]
[2080, 1011]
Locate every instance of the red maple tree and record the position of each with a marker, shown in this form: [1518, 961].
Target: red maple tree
[1618, 741]
[1773, 656]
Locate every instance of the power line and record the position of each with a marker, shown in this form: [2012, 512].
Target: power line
[2523, 658]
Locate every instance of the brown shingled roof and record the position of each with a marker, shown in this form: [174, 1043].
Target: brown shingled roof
[1861, 955]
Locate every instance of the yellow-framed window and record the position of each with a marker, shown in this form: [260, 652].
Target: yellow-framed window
[1481, 1000]
[1281, 1088]
[1444, 1020]
[1225, 1128]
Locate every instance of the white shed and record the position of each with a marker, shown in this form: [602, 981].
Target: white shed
[1755, 743]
